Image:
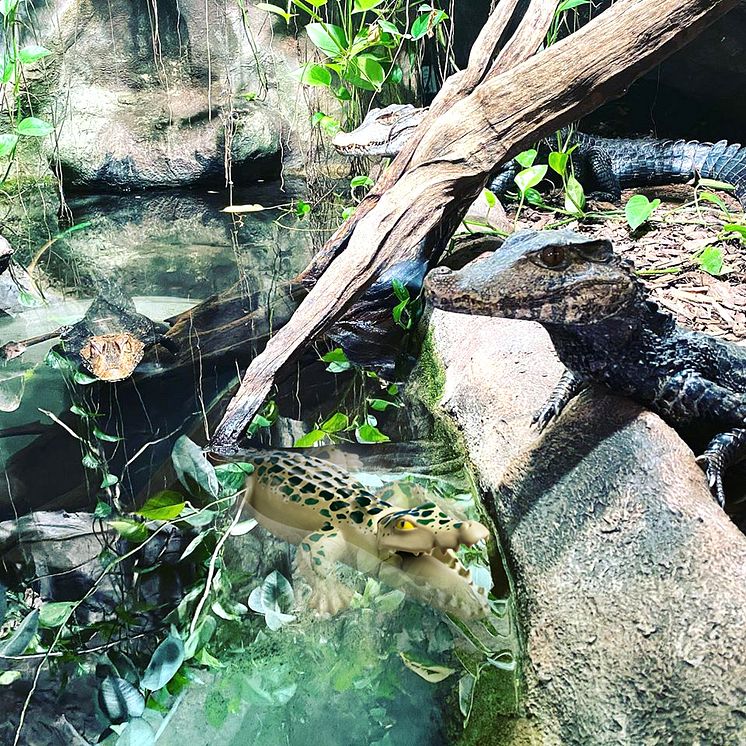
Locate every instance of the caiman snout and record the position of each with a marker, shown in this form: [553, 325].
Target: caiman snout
[468, 533]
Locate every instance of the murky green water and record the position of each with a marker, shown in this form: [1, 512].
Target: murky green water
[386, 671]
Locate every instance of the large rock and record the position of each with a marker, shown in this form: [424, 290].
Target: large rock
[165, 94]
[630, 582]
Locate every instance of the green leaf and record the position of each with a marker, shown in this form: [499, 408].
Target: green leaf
[302, 208]
[527, 158]
[316, 3]
[570, 4]
[200, 637]
[735, 228]
[309, 439]
[55, 613]
[370, 69]
[361, 181]
[431, 672]
[328, 38]
[710, 260]
[34, 127]
[166, 661]
[313, 74]
[8, 145]
[193, 468]
[638, 209]
[232, 477]
[130, 529]
[32, 52]
[8, 677]
[360, 6]
[276, 10]
[489, 198]
[389, 27]
[337, 360]
[574, 195]
[338, 421]
[7, 7]
[392, 389]
[137, 732]
[466, 694]
[530, 177]
[277, 593]
[119, 700]
[710, 197]
[103, 510]
[109, 480]
[714, 184]
[101, 435]
[23, 635]
[425, 23]
[558, 162]
[91, 461]
[83, 379]
[370, 434]
[400, 289]
[381, 405]
[163, 506]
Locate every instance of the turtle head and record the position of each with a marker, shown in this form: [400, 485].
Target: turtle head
[112, 357]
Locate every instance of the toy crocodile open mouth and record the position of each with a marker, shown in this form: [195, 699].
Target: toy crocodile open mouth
[333, 518]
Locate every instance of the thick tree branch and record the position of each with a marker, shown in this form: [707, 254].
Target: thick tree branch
[458, 151]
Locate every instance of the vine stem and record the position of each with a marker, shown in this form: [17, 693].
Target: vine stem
[211, 568]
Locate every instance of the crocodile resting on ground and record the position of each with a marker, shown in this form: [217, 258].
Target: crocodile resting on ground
[603, 165]
[607, 331]
[333, 518]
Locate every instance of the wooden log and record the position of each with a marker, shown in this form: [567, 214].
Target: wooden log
[457, 153]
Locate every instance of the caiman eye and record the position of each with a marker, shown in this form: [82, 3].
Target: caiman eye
[404, 525]
[552, 256]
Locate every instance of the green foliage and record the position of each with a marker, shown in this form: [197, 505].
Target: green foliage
[710, 260]
[274, 598]
[639, 209]
[164, 664]
[24, 633]
[193, 469]
[163, 506]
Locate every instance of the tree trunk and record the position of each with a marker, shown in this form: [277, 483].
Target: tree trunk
[433, 181]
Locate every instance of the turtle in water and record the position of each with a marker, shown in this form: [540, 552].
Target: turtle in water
[109, 341]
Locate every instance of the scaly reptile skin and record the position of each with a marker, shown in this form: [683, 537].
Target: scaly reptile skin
[333, 518]
[604, 166]
[606, 331]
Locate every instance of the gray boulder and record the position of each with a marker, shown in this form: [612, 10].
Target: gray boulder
[630, 582]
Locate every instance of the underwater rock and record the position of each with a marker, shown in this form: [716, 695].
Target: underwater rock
[630, 582]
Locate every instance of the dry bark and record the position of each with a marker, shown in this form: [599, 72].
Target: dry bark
[449, 165]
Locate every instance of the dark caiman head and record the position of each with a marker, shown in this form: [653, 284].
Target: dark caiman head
[383, 132]
[553, 277]
[112, 357]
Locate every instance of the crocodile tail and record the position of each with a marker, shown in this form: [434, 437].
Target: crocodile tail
[727, 163]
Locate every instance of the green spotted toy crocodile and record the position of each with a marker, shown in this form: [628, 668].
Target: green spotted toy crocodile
[333, 518]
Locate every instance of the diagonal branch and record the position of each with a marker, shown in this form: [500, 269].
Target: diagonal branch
[458, 151]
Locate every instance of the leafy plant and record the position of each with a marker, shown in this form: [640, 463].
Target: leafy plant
[710, 260]
[639, 209]
[274, 598]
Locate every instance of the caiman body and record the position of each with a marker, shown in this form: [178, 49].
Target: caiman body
[607, 331]
[604, 165]
[333, 518]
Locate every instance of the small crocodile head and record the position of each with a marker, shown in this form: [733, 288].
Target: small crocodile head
[553, 277]
[426, 529]
[383, 132]
[112, 357]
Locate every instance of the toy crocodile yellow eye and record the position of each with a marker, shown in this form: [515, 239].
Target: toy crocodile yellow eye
[404, 525]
